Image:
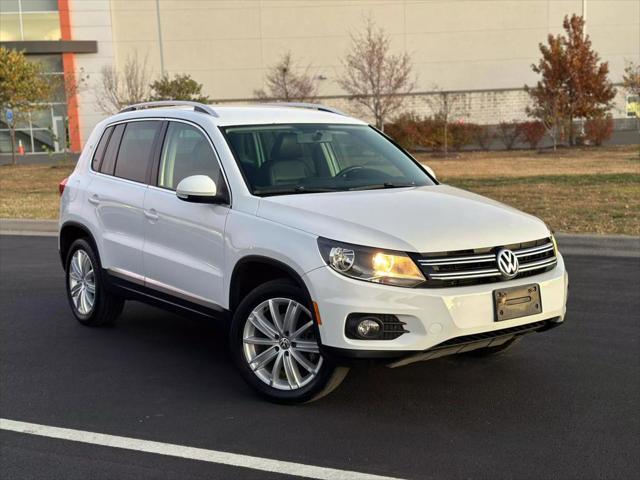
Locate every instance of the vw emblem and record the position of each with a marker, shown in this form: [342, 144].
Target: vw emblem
[508, 263]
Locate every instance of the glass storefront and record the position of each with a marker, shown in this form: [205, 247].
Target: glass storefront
[46, 128]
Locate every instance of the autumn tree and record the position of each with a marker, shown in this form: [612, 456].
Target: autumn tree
[180, 87]
[574, 82]
[631, 79]
[288, 83]
[119, 88]
[22, 86]
[445, 105]
[375, 78]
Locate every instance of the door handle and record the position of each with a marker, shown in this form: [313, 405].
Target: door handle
[151, 215]
[94, 199]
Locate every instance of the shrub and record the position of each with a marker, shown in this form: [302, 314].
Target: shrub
[405, 130]
[509, 133]
[532, 132]
[481, 135]
[461, 134]
[598, 130]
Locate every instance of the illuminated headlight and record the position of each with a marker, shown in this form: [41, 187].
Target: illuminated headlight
[371, 264]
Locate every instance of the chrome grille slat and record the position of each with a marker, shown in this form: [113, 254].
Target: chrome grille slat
[464, 268]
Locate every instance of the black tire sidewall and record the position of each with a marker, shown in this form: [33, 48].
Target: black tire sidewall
[264, 292]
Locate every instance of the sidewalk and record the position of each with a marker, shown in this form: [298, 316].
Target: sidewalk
[570, 244]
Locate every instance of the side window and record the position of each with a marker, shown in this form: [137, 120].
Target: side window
[136, 148]
[109, 160]
[98, 155]
[186, 152]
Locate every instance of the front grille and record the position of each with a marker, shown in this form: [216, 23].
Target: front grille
[473, 267]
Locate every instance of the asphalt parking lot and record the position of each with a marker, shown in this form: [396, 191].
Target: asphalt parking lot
[563, 404]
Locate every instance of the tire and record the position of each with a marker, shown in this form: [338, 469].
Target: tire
[83, 274]
[488, 351]
[281, 359]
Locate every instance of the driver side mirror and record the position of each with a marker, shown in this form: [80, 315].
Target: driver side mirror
[429, 171]
[198, 189]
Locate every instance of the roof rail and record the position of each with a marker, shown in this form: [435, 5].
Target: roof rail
[197, 106]
[312, 106]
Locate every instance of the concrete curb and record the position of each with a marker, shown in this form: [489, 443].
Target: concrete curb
[19, 226]
[570, 244]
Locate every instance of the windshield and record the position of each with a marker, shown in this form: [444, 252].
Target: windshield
[310, 158]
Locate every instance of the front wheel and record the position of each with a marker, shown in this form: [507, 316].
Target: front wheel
[274, 342]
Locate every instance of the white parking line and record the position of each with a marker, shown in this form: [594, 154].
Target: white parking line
[201, 454]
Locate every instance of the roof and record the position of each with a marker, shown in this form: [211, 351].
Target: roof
[247, 114]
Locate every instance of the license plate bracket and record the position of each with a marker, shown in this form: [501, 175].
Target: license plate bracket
[516, 302]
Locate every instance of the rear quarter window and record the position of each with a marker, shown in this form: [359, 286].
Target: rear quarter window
[98, 155]
[109, 161]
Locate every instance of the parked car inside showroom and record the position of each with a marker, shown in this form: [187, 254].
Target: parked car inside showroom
[317, 238]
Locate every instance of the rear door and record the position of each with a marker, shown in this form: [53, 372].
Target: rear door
[121, 170]
[183, 252]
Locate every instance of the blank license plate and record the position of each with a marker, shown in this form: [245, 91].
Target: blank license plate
[517, 302]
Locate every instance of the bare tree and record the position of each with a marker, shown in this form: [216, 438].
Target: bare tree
[284, 82]
[118, 89]
[376, 79]
[444, 106]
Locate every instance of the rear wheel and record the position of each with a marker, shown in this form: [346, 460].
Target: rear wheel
[274, 342]
[90, 302]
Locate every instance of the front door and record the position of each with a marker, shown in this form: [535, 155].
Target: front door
[184, 242]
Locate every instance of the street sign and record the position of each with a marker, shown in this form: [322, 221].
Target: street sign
[9, 115]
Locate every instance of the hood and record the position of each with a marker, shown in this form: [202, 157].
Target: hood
[423, 219]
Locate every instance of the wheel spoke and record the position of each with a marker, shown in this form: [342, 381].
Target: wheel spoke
[75, 289]
[306, 346]
[291, 371]
[75, 266]
[277, 368]
[291, 317]
[301, 330]
[302, 361]
[265, 357]
[91, 288]
[275, 315]
[261, 323]
[84, 302]
[260, 341]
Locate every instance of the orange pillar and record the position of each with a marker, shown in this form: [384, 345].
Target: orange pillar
[69, 64]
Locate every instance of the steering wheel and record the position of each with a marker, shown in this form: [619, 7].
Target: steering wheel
[360, 171]
[345, 173]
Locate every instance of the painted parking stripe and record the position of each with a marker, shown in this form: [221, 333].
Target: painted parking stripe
[192, 453]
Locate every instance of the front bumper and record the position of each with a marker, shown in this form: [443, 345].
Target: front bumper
[432, 316]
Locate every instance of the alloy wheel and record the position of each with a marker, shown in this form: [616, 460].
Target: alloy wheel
[280, 344]
[82, 282]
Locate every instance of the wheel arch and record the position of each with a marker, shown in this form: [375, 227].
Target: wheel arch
[71, 231]
[253, 270]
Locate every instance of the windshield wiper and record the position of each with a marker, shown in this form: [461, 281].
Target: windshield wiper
[291, 190]
[384, 185]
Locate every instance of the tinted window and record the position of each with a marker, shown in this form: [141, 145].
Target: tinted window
[100, 149]
[134, 156]
[109, 160]
[186, 152]
[281, 159]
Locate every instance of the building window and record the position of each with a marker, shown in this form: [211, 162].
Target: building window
[29, 20]
[46, 128]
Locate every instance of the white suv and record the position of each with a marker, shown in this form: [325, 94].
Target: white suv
[318, 238]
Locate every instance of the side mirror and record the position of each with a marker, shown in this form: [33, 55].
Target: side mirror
[429, 170]
[198, 189]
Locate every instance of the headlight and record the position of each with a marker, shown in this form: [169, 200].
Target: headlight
[371, 264]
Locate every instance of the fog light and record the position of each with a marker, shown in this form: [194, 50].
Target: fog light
[368, 328]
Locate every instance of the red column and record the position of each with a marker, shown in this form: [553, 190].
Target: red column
[69, 64]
